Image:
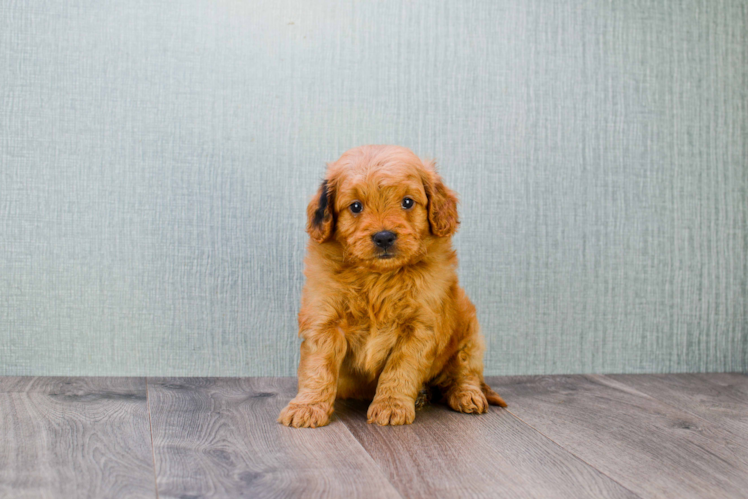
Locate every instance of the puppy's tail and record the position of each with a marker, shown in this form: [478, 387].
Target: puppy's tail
[492, 397]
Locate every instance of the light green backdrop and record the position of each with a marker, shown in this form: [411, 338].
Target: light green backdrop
[156, 159]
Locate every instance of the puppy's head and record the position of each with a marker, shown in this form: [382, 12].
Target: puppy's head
[383, 205]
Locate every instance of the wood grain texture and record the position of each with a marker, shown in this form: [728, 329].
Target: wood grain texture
[448, 454]
[220, 438]
[650, 447]
[720, 398]
[75, 437]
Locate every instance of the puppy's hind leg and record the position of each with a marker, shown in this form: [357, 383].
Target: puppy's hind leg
[462, 380]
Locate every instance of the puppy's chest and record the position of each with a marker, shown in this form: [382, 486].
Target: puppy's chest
[378, 311]
[374, 321]
[379, 303]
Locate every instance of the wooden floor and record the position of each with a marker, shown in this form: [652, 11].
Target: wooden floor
[563, 436]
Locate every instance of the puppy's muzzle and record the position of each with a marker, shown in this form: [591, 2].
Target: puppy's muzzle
[384, 239]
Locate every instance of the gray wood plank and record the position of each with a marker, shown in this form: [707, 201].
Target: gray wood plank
[648, 446]
[721, 398]
[220, 438]
[449, 454]
[75, 438]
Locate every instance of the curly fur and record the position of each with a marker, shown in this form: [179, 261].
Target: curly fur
[382, 328]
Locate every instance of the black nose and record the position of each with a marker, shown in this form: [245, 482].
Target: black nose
[384, 239]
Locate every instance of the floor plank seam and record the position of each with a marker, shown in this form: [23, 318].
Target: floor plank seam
[150, 430]
[572, 453]
[671, 405]
[376, 464]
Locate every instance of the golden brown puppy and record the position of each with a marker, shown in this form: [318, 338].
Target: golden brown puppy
[382, 313]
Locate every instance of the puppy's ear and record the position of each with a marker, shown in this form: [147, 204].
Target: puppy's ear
[442, 205]
[320, 215]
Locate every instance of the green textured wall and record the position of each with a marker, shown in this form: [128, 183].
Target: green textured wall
[156, 159]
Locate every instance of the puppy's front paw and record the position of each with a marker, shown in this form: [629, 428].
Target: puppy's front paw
[391, 411]
[305, 415]
[468, 400]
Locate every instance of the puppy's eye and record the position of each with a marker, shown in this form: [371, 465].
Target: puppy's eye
[408, 203]
[356, 207]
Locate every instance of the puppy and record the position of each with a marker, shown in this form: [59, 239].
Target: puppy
[382, 314]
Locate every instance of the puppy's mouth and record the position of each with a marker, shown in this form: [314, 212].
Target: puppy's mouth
[385, 255]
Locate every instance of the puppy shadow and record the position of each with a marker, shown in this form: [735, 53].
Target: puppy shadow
[429, 406]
